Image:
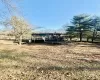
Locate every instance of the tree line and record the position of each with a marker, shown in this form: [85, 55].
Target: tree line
[83, 26]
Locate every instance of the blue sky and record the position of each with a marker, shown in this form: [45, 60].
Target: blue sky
[53, 14]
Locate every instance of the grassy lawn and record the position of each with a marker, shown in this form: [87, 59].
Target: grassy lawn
[75, 61]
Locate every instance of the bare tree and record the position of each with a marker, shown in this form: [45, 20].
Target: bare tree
[20, 27]
[9, 4]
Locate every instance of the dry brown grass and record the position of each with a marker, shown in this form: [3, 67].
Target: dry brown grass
[47, 62]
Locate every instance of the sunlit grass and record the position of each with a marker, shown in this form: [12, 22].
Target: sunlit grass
[49, 63]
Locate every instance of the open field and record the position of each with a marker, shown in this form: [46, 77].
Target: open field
[75, 61]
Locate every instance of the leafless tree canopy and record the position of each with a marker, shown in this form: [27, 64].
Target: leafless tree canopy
[20, 27]
[10, 5]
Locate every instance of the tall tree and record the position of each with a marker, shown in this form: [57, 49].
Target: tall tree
[81, 23]
[70, 31]
[95, 26]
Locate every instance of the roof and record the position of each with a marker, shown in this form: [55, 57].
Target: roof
[46, 33]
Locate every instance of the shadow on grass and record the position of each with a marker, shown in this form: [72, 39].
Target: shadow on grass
[7, 54]
[56, 68]
[11, 55]
[89, 65]
[9, 67]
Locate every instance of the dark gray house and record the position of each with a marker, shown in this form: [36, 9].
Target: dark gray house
[47, 37]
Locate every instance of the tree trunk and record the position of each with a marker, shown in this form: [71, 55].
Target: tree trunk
[20, 40]
[70, 38]
[80, 36]
[87, 39]
[93, 36]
